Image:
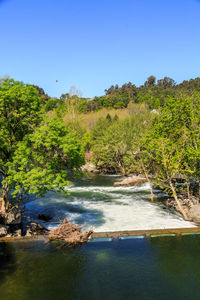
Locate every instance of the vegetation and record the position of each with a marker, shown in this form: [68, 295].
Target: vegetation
[173, 144]
[35, 152]
[153, 93]
[116, 142]
[152, 130]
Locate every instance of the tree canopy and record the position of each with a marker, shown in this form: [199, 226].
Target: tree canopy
[36, 153]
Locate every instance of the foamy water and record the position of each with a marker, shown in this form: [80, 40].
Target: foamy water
[106, 208]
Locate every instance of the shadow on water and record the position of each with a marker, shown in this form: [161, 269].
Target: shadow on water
[63, 209]
[7, 260]
[42, 272]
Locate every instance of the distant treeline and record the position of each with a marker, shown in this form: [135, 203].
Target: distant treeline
[153, 93]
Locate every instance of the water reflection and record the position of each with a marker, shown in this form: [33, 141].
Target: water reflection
[157, 269]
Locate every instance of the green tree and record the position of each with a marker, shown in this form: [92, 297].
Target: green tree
[114, 145]
[34, 153]
[174, 143]
[151, 81]
[42, 160]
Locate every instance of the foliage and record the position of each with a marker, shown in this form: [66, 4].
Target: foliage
[173, 144]
[35, 153]
[153, 92]
[42, 160]
[115, 143]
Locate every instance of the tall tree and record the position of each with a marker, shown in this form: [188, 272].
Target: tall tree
[174, 143]
[33, 152]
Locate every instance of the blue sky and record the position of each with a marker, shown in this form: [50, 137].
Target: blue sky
[93, 44]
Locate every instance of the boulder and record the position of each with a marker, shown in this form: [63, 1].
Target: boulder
[15, 230]
[194, 213]
[131, 181]
[33, 228]
[3, 230]
[13, 216]
[89, 167]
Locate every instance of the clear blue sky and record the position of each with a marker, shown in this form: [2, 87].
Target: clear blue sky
[93, 44]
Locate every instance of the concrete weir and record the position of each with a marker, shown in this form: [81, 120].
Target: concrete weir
[114, 235]
[146, 233]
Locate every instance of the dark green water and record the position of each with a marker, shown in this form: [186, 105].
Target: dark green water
[165, 268]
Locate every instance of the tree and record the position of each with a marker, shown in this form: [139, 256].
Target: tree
[115, 143]
[42, 160]
[108, 118]
[174, 144]
[151, 81]
[34, 153]
[166, 82]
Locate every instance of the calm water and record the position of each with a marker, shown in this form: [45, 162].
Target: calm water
[96, 203]
[165, 268]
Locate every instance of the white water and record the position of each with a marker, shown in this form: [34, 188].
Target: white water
[107, 208]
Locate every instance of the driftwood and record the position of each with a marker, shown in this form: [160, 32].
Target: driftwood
[70, 234]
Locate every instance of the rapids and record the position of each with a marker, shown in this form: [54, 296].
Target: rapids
[95, 203]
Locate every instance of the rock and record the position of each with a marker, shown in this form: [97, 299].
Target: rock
[194, 213]
[34, 228]
[13, 216]
[14, 230]
[3, 230]
[17, 232]
[44, 217]
[89, 167]
[130, 181]
[29, 232]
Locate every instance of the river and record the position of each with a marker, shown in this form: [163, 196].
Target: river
[164, 268]
[96, 204]
[157, 268]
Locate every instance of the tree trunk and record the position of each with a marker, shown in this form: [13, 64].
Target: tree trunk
[178, 202]
[123, 172]
[188, 190]
[121, 167]
[5, 200]
[149, 181]
[199, 188]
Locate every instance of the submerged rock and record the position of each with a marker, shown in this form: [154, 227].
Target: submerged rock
[130, 181]
[44, 217]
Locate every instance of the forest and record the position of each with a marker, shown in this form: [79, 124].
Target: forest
[152, 130]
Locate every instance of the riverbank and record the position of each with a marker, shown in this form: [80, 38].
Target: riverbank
[190, 203]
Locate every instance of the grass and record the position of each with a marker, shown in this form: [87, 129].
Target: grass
[89, 120]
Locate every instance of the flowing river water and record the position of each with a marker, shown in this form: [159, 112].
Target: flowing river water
[95, 203]
[157, 268]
